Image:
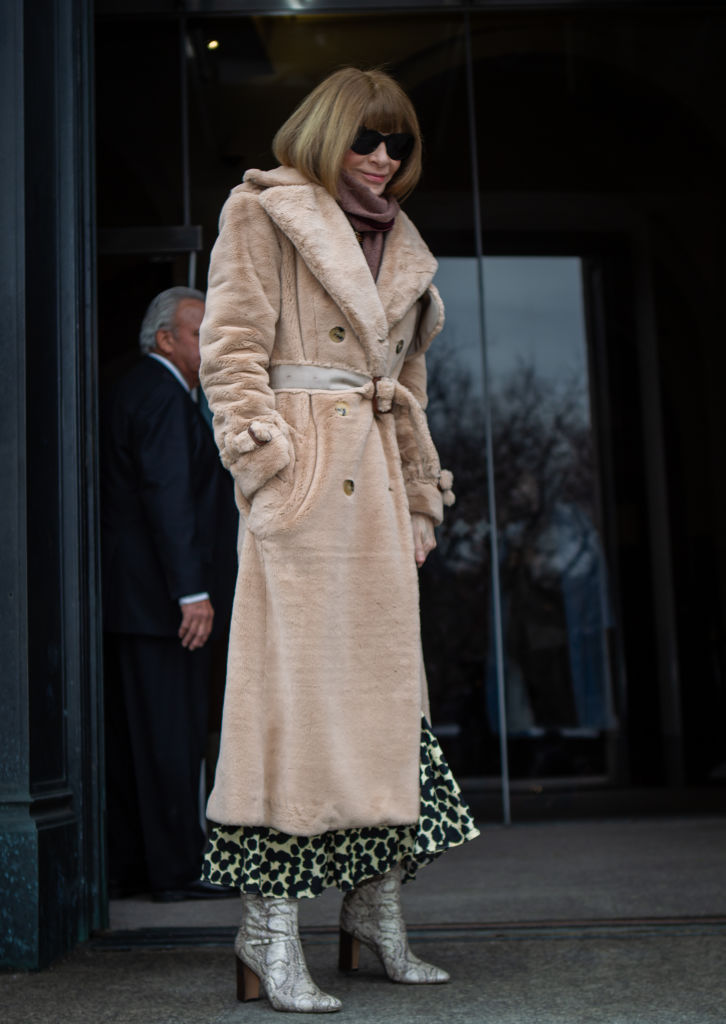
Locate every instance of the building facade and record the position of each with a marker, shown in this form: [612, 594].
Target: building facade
[573, 193]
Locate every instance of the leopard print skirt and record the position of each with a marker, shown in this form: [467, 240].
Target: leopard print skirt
[266, 862]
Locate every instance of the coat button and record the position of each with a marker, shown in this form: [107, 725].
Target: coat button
[399, 347]
[341, 408]
[348, 487]
[336, 333]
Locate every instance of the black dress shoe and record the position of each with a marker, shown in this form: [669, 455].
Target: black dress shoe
[199, 889]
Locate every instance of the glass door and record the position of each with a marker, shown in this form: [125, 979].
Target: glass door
[555, 601]
[555, 596]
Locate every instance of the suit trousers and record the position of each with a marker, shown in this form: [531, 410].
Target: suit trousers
[156, 724]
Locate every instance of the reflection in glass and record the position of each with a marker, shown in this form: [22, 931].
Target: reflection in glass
[456, 580]
[555, 606]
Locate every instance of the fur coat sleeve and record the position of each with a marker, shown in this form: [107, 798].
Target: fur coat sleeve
[424, 495]
[252, 437]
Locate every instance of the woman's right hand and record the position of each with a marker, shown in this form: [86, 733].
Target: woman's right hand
[424, 538]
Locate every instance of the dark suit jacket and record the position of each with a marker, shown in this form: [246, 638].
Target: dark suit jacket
[168, 520]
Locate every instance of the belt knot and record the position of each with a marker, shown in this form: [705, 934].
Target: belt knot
[384, 388]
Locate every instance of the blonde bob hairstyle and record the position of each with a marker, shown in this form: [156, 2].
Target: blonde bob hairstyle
[316, 137]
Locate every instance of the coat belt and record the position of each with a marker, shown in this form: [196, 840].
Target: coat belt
[308, 377]
[384, 393]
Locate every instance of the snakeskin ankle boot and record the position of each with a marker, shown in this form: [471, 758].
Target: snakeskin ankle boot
[371, 914]
[269, 953]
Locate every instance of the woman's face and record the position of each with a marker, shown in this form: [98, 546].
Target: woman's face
[372, 169]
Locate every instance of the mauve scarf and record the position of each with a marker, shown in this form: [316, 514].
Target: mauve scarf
[370, 216]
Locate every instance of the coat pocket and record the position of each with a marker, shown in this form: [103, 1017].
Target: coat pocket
[276, 506]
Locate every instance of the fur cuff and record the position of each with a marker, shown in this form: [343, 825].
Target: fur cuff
[425, 497]
[256, 455]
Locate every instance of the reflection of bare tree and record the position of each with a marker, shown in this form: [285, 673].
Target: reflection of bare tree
[541, 434]
[455, 580]
[543, 460]
[456, 416]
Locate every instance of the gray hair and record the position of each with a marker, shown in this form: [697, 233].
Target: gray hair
[161, 312]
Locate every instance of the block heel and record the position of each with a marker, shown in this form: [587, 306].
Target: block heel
[248, 984]
[348, 951]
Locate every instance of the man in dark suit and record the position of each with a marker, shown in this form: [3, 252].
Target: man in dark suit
[169, 562]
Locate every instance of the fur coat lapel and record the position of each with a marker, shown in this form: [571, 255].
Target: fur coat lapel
[317, 227]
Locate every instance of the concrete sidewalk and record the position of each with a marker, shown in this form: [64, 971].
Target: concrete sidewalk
[616, 922]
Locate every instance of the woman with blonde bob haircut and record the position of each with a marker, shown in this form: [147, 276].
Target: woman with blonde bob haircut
[315, 139]
[320, 309]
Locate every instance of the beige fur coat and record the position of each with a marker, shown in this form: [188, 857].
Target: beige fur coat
[325, 684]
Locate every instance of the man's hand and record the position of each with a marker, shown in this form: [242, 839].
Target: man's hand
[196, 624]
[424, 539]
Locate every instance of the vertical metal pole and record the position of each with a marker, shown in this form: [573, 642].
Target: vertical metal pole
[184, 140]
[493, 528]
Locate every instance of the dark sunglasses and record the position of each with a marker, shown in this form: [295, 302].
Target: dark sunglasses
[398, 144]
